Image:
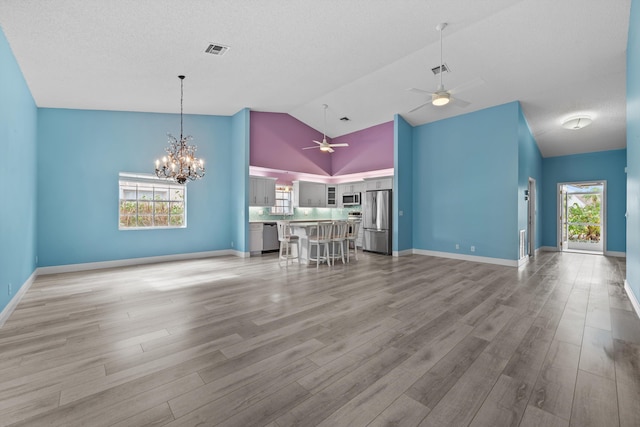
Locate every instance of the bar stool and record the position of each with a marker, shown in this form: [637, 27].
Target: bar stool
[352, 236]
[320, 237]
[286, 240]
[338, 236]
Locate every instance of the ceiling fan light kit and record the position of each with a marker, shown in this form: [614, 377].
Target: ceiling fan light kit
[577, 122]
[440, 98]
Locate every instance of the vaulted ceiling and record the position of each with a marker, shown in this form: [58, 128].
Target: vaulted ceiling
[557, 57]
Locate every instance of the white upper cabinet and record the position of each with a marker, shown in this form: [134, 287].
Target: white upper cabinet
[310, 194]
[262, 191]
[383, 183]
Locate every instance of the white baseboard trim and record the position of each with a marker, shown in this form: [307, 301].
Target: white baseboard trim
[548, 248]
[632, 297]
[615, 254]
[406, 252]
[523, 261]
[70, 268]
[13, 303]
[474, 258]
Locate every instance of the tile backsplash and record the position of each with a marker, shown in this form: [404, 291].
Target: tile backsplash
[263, 214]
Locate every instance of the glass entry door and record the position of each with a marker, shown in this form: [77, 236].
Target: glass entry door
[581, 217]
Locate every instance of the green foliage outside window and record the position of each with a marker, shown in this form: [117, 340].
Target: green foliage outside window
[583, 219]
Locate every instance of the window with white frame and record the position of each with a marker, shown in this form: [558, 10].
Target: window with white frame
[284, 203]
[149, 202]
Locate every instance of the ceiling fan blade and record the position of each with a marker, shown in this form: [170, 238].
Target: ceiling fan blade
[342, 144]
[420, 106]
[420, 91]
[317, 142]
[331, 150]
[460, 102]
[309, 148]
[468, 85]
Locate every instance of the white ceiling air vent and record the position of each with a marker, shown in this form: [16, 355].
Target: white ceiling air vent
[216, 49]
[436, 70]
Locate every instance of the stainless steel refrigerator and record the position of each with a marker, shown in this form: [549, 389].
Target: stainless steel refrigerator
[377, 221]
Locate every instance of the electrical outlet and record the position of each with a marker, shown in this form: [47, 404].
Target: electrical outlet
[9, 289]
[473, 248]
[457, 246]
[232, 244]
[36, 259]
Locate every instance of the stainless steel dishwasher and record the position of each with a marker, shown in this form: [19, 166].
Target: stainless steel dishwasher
[270, 237]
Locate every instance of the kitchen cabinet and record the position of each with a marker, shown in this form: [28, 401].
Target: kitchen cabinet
[332, 196]
[352, 187]
[262, 191]
[255, 237]
[383, 183]
[309, 194]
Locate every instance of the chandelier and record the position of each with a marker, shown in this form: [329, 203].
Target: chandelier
[180, 164]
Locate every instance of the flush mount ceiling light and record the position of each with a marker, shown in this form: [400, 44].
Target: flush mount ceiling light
[180, 164]
[577, 122]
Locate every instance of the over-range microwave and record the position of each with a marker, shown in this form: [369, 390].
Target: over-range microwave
[350, 199]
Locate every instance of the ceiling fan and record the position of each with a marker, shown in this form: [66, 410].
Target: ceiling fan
[442, 97]
[324, 145]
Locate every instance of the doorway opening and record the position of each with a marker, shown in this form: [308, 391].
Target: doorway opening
[581, 226]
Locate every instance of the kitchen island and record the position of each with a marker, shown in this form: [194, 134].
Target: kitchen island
[303, 229]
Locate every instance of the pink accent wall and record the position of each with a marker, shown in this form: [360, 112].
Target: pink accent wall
[277, 139]
[369, 149]
[276, 142]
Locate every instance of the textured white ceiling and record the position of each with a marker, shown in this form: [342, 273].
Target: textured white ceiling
[557, 57]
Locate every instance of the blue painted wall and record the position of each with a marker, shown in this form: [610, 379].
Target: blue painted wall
[529, 165]
[603, 165]
[239, 180]
[402, 185]
[18, 118]
[633, 150]
[465, 183]
[80, 154]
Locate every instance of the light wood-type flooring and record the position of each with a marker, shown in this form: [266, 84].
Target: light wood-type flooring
[383, 341]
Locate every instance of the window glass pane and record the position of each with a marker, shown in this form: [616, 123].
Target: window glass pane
[128, 207]
[145, 208]
[177, 208]
[162, 220]
[145, 220]
[176, 221]
[161, 208]
[177, 194]
[161, 194]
